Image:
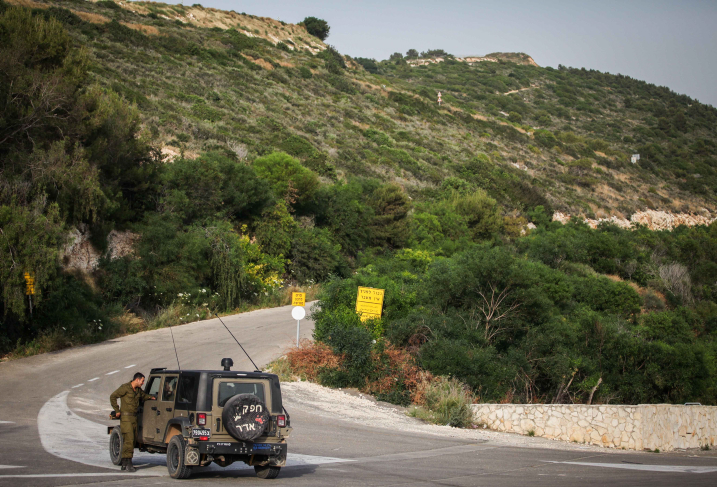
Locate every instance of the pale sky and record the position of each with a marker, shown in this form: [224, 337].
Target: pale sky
[667, 42]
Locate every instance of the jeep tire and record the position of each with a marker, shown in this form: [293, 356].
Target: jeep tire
[116, 446]
[176, 463]
[266, 472]
[245, 417]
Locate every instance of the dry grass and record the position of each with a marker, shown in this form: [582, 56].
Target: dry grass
[27, 3]
[260, 62]
[445, 401]
[145, 29]
[92, 18]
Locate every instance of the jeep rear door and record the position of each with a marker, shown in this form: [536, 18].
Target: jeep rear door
[223, 389]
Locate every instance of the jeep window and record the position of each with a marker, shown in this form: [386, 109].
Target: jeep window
[153, 386]
[227, 390]
[170, 387]
[187, 393]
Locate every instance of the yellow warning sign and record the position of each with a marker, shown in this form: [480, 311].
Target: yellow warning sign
[29, 284]
[298, 299]
[369, 303]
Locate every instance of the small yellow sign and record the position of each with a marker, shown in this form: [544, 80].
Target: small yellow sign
[298, 299]
[369, 303]
[29, 284]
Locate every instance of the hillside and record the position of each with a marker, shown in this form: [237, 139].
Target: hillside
[205, 79]
[162, 163]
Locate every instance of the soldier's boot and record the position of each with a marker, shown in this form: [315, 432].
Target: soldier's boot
[130, 467]
[124, 464]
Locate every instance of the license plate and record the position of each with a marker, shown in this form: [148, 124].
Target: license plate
[200, 432]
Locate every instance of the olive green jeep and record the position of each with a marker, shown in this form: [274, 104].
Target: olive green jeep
[205, 416]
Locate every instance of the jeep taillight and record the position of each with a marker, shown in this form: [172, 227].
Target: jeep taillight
[281, 421]
[202, 419]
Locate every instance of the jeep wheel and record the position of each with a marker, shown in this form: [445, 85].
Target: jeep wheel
[245, 417]
[266, 472]
[116, 446]
[176, 463]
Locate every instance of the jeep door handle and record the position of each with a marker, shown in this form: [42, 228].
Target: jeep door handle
[154, 408]
[169, 410]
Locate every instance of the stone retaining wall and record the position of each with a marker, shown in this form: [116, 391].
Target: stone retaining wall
[645, 426]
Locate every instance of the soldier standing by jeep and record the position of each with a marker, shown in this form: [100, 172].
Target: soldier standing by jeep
[131, 394]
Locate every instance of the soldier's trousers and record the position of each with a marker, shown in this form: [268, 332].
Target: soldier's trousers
[129, 430]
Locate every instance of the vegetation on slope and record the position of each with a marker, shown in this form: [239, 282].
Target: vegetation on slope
[294, 165]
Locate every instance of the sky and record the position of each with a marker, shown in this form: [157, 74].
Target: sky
[666, 42]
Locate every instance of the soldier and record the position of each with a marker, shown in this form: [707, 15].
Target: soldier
[131, 394]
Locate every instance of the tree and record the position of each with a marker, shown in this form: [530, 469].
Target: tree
[411, 54]
[289, 180]
[390, 223]
[316, 27]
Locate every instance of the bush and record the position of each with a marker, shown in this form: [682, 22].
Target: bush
[448, 402]
[305, 72]
[315, 257]
[109, 4]
[316, 27]
[289, 180]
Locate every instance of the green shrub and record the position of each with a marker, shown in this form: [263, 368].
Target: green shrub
[305, 72]
[289, 180]
[316, 27]
[206, 112]
[449, 401]
[109, 4]
[315, 257]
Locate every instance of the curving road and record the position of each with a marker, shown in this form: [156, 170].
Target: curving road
[54, 410]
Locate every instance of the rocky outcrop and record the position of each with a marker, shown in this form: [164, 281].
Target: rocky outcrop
[517, 58]
[79, 253]
[652, 219]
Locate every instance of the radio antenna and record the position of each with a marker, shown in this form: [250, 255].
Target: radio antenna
[235, 339]
[175, 347]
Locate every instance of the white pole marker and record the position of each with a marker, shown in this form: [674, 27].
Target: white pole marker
[298, 312]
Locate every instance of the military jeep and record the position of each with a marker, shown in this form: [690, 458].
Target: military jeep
[205, 416]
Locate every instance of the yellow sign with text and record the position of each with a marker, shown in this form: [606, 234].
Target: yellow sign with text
[29, 284]
[369, 303]
[298, 299]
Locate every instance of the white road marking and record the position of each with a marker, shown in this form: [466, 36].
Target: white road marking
[11, 466]
[53, 475]
[92, 380]
[113, 372]
[7, 422]
[78, 385]
[67, 435]
[130, 366]
[647, 468]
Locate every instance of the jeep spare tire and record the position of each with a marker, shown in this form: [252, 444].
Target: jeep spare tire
[245, 417]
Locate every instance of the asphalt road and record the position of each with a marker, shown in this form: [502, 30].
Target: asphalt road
[54, 410]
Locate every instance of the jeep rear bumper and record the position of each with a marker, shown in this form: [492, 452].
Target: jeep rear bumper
[226, 448]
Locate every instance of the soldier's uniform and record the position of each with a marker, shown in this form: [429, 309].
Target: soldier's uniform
[128, 417]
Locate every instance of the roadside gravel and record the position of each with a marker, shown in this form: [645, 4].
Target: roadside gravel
[365, 410]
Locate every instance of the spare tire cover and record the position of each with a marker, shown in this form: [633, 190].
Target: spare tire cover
[245, 417]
